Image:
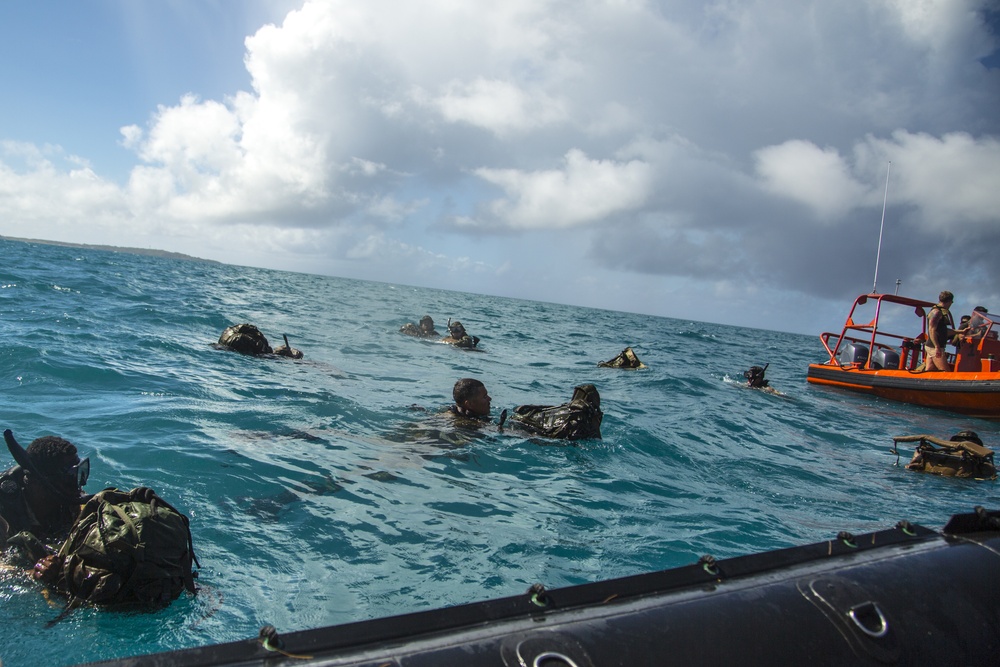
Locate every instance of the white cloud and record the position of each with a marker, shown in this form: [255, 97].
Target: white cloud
[951, 181]
[944, 180]
[819, 178]
[944, 25]
[498, 106]
[584, 191]
[704, 134]
[46, 194]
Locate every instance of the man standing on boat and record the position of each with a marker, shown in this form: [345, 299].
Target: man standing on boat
[939, 332]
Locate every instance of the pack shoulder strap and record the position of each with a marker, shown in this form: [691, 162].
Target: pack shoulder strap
[950, 445]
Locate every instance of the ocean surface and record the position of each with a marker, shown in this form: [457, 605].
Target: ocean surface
[330, 490]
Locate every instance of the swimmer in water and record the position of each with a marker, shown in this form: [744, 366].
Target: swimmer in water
[458, 336]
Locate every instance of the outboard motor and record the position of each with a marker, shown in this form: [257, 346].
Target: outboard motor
[885, 358]
[853, 353]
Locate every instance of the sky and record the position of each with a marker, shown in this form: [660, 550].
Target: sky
[750, 162]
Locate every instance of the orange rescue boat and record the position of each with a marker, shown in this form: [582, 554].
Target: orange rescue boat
[869, 356]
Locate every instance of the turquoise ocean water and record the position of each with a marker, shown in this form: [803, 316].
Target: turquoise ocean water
[319, 495]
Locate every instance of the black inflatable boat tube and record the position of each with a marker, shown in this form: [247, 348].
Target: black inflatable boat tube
[906, 596]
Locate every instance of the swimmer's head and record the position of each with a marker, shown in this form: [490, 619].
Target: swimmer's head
[471, 396]
[57, 461]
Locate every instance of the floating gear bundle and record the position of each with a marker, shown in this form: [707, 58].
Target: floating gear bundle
[625, 359]
[576, 420]
[962, 456]
[126, 547]
[245, 339]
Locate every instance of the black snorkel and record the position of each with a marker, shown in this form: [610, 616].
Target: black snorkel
[762, 382]
[755, 377]
[23, 459]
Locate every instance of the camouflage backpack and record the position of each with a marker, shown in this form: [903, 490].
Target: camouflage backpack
[245, 339]
[127, 547]
[962, 456]
[625, 359]
[576, 420]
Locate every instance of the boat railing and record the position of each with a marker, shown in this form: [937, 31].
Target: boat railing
[880, 349]
[871, 347]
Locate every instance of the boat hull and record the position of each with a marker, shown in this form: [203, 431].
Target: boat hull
[975, 394]
[902, 596]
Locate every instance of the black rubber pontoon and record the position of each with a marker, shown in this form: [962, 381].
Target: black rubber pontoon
[906, 596]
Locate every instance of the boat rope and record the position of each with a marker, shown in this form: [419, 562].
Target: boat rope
[538, 596]
[270, 640]
[708, 564]
[906, 527]
[847, 539]
[895, 450]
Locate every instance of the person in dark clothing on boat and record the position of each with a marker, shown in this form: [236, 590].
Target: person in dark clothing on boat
[939, 332]
[962, 323]
[977, 323]
[44, 497]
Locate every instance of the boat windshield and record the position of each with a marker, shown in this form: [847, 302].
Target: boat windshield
[981, 325]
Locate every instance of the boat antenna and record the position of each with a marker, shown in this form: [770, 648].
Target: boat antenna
[898, 283]
[878, 252]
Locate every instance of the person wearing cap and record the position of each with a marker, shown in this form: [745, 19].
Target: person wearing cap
[977, 323]
[424, 330]
[43, 499]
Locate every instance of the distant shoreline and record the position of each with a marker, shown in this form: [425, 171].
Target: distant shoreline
[113, 248]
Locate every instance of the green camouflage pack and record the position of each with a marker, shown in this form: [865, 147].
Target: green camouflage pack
[127, 547]
[576, 420]
[958, 457]
[245, 339]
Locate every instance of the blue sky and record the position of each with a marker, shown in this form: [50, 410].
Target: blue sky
[714, 161]
[75, 73]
